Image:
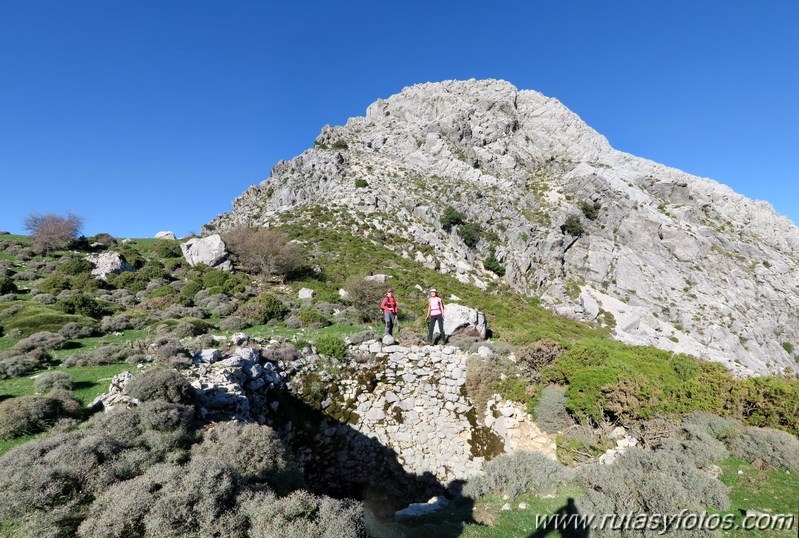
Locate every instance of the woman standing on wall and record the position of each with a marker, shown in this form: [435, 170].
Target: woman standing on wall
[435, 313]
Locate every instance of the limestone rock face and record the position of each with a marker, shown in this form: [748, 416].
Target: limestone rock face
[108, 263]
[666, 258]
[209, 250]
[170, 236]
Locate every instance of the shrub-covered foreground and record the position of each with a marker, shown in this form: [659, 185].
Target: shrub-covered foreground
[148, 471]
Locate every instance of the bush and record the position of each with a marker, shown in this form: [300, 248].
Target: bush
[534, 357]
[234, 323]
[649, 482]
[255, 452]
[48, 381]
[470, 233]
[310, 316]
[696, 444]
[364, 296]
[15, 364]
[590, 210]
[516, 474]
[550, 410]
[41, 340]
[54, 284]
[263, 309]
[573, 226]
[27, 415]
[491, 263]
[75, 266]
[161, 384]
[451, 217]
[361, 184]
[7, 286]
[168, 249]
[74, 330]
[301, 514]
[482, 377]
[105, 239]
[331, 346]
[50, 232]
[190, 289]
[285, 352]
[777, 448]
[83, 305]
[263, 251]
[717, 427]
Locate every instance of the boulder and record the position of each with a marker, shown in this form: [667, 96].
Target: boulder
[209, 250]
[108, 263]
[381, 278]
[459, 319]
[306, 293]
[165, 235]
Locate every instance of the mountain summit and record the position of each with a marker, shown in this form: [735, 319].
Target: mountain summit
[665, 258]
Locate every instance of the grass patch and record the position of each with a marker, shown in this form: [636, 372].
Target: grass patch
[29, 318]
[771, 491]
[83, 345]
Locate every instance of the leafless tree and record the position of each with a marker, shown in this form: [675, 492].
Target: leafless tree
[259, 250]
[50, 232]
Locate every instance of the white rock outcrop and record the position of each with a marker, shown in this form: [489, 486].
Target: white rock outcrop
[108, 263]
[170, 236]
[210, 250]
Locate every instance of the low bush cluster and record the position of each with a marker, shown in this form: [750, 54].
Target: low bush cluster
[48, 381]
[550, 409]
[649, 482]
[26, 415]
[776, 448]
[331, 346]
[161, 384]
[532, 358]
[518, 473]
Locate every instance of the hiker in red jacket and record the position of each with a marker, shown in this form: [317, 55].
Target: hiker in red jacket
[389, 307]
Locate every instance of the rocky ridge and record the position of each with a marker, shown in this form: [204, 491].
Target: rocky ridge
[669, 259]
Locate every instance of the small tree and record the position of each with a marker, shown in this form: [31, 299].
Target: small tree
[50, 232]
[264, 251]
[574, 226]
[451, 217]
[470, 233]
[491, 263]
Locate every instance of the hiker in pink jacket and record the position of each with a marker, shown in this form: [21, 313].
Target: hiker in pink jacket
[435, 313]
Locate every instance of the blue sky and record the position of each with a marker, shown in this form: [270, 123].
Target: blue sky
[153, 115]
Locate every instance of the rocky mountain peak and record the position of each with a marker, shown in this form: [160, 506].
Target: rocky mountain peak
[664, 257]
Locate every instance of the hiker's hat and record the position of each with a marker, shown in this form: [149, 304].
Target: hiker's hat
[433, 290]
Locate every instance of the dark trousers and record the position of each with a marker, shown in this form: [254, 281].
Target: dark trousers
[389, 318]
[440, 319]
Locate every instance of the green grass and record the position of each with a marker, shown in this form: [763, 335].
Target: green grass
[83, 345]
[279, 331]
[771, 491]
[34, 317]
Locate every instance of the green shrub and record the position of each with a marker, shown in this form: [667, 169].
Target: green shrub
[340, 144]
[48, 381]
[491, 263]
[607, 378]
[451, 217]
[518, 473]
[777, 448]
[787, 346]
[15, 364]
[361, 183]
[75, 266]
[7, 285]
[590, 210]
[573, 226]
[41, 340]
[331, 346]
[190, 289]
[167, 249]
[55, 284]
[470, 233]
[263, 309]
[161, 384]
[83, 305]
[717, 427]
[309, 316]
[482, 377]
